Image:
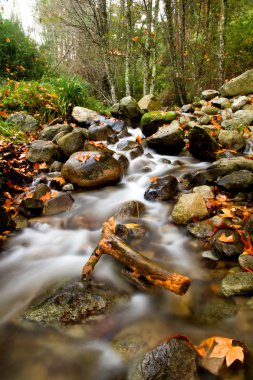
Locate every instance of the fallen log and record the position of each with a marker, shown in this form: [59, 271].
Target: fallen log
[140, 266]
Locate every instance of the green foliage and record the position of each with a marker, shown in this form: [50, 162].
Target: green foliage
[9, 132]
[47, 99]
[19, 56]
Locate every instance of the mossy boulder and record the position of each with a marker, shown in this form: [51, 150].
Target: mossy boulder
[151, 121]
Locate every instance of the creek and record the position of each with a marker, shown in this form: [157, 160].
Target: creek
[50, 254]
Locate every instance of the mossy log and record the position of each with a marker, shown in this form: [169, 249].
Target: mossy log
[140, 266]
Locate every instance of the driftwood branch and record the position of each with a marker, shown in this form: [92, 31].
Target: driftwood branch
[141, 267]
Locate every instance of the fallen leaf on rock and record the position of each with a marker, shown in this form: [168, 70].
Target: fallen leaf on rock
[153, 179]
[60, 180]
[138, 139]
[43, 165]
[97, 157]
[46, 197]
[248, 247]
[226, 239]
[83, 157]
[227, 213]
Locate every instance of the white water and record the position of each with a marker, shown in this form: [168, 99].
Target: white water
[44, 254]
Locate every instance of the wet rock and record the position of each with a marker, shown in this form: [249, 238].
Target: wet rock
[213, 310]
[20, 222]
[204, 120]
[227, 250]
[205, 191]
[68, 187]
[26, 123]
[60, 203]
[237, 284]
[202, 145]
[241, 85]
[128, 110]
[205, 228]
[49, 133]
[165, 362]
[41, 189]
[151, 121]
[72, 142]
[91, 169]
[186, 108]
[93, 146]
[31, 207]
[239, 102]
[149, 103]
[222, 167]
[43, 151]
[232, 140]
[84, 116]
[222, 103]
[118, 126]
[167, 140]
[122, 160]
[210, 110]
[55, 167]
[136, 152]
[240, 180]
[99, 132]
[189, 207]
[131, 209]
[126, 145]
[112, 139]
[162, 189]
[209, 94]
[246, 262]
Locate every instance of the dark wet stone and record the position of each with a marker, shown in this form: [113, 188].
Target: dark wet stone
[239, 180]
[227, 250]
[126, 145]
[131, 209]
[237, 284]
[112, 139]
[136, 152]
[99, 132]
[202, 145]
[162, 189]
[167, 140]
[122, 160]
[41, 189]
[31, 207]
[172, 360]
[61, 203]
[91, 169]
[128, 110]
[55, 167]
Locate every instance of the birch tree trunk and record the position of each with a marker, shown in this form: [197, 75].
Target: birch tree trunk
[147, 50]
[154, 53]
[128, 46]
[222, 35]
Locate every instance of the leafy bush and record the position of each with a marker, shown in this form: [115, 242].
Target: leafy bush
[47, 99]
[20, 58]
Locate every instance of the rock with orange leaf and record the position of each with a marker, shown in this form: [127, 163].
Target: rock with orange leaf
[227, 243]
[162, 189]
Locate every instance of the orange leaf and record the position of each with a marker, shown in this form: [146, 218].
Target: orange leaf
[135, 39]
[46, 197]
[235, 353]
[97, 157]
[83, 157]
[226, 239]
[54, 193]
[153, 179]
[138, 139]
[43, 165]
[60, 180]
[227, 213]
[215, 124]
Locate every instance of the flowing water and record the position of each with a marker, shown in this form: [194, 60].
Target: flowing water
[53, 250]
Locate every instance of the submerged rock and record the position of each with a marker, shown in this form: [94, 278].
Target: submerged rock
[237, 284]
[189, 207]
[91, 169]
[162, 189]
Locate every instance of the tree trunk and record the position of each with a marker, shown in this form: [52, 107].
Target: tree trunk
[154, 53]
[147, 50]
[128, 46]
[222, 33]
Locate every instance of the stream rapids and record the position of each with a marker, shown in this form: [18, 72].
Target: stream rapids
[51, 251]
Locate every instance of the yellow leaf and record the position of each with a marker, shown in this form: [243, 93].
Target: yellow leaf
[60, 180]
[235, 353]
[226, 239]
[8, 40]
[227, 213]
[135, 39]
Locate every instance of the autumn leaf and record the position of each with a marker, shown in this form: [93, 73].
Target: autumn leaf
[43, 165]
[138, 139]
[227, 213]
[83, 157]
[46, 197]
[60, 180]
[213, 122]
[226, 239]
[153, 179]
[135, 39]
[97, 157]
[248, 247]
[226, 150]
[8, 40]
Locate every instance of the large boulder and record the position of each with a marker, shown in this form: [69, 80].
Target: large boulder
[202, 145]
[26, 123]
[151, 121]
[72, 142]
[189, 207]
[149, 103]
[128, 110]
[167, 140]
[43, 151]
[84, 116]
[49, 133]
[241, 85]
[239, 118]
[91, 169]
